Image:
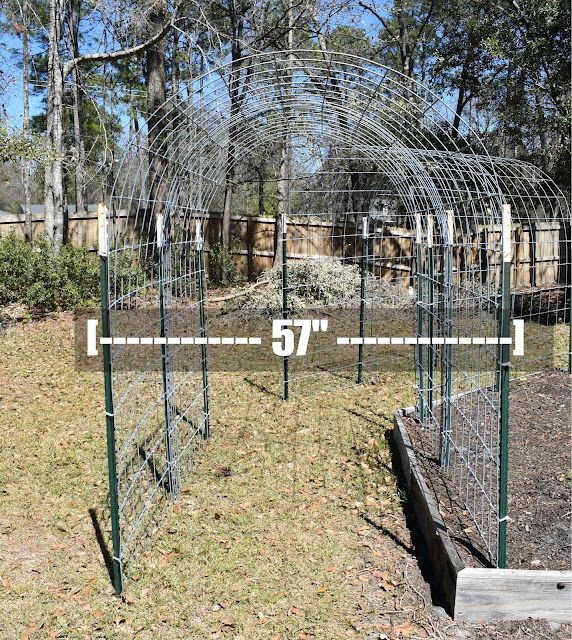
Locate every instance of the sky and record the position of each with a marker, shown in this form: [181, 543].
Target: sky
[11, 96]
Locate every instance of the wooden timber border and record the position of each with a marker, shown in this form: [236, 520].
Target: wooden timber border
[477, 594]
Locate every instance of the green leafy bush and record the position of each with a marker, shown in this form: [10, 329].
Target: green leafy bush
[33, 276]
[222, 267]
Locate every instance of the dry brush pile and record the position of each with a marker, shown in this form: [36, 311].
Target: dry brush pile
[315, 283]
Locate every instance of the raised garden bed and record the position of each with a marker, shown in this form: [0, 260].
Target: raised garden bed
[538, 582]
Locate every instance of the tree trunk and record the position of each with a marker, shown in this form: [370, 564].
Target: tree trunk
[541, 123]
[282, 187]
[237, 27]
[26, 122]
[175, 65]
[138, 144]
[155, 79]
[54, 200]
[230, 164]
[79, 147]
[461, 102]
[261, 193]
[53, 183]
[404, 44]
[350, 195]
[228, 189]
[285, 155]
[230, 168]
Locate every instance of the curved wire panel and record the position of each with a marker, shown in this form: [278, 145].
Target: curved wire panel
[378, 192]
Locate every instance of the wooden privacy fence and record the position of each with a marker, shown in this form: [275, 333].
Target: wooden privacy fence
[82, 227]
[310, 237]
[540, 251]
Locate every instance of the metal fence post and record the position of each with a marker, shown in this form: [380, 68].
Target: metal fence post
[172, 486]
[504, 377]
[419, 274]
[570, 332]
[569, 319]
[203, 329]
[109, 407]
[285, 372]
[363, 277]
[448, 273]
[430, 320]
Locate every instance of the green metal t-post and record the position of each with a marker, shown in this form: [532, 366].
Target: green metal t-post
[284, 301]
[504, 378]
[284, 240]
[448, 273]
[162, 261]
[570, 320]
[419, 274]
[430, 320]
[203, 329]
[109, 408]
[363, 276]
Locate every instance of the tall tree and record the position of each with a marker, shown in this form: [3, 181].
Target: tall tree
[156, 82]
[54, 200]
[244, 27]
[464, 64]
[404, 26]
[58, 71]
[26, 165]
[285, 164]
[236, 13]
[79, 145]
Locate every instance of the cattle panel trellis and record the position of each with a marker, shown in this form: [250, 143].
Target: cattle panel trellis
[405, 214]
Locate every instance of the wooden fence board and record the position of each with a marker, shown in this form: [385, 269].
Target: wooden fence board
[539, 252]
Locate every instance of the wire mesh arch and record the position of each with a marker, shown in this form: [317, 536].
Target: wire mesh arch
[335, 114]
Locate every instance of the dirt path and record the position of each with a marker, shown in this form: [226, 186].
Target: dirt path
[292, 527]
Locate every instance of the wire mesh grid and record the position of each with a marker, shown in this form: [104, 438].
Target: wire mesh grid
[402, 211]
[160, 393]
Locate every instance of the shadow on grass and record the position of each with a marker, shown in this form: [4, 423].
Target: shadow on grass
[262, 388]
[371, 421]
[386, 532]
[101, 541]
[340, 373]
[161, 478]
[367, 518]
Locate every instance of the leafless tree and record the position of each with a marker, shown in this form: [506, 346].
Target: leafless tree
[58, 71]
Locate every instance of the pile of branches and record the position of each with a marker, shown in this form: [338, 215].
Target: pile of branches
[314, 283]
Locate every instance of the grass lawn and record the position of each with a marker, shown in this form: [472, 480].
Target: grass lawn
[303, 536]
[268, 551]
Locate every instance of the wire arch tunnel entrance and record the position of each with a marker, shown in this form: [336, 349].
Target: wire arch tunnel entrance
[404, 212]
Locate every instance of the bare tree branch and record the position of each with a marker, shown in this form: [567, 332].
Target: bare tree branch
[376, 14]
[123, 53]
[424, 23]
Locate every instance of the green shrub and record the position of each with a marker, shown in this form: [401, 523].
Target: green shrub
[33, 276]
[123, 266]
[222, 267]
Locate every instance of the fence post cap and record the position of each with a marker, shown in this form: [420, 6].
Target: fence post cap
[102, 230]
